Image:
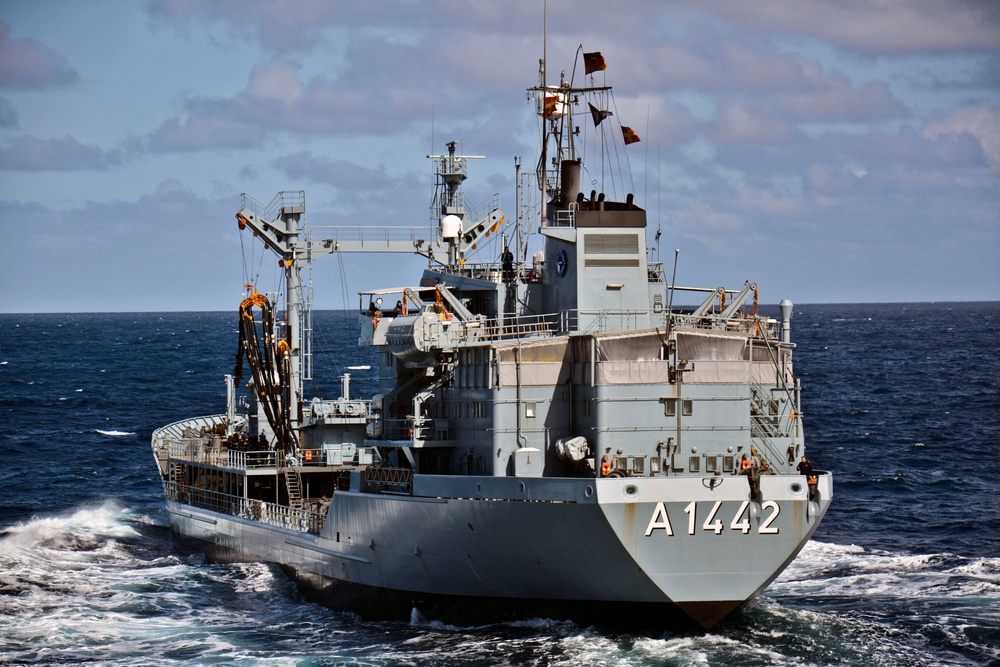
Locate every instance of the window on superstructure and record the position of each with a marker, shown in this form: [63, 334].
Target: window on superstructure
[670, 407]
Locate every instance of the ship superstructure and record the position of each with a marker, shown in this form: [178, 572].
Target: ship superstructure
[550, 432]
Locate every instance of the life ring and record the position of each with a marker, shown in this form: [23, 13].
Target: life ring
[309, 455]
[746, 464]
[605, 468]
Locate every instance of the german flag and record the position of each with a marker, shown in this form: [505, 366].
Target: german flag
[593, 62]
[629, 136]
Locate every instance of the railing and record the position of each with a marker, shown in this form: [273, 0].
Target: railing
[194, 450]
[282, 200]
[393, 479]
[602, 320]
[762, 327]
[371, 238]
[190, 428]
[563, 218]
[459, 201]
[405, 429]
[272, 514]
[517, 327]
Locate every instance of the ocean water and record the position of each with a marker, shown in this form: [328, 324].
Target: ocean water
[901, 402]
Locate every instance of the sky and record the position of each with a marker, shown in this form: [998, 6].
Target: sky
[830, 151]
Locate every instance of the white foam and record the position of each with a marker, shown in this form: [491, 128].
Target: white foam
[114, 433]
[849, 570]
[105, 521]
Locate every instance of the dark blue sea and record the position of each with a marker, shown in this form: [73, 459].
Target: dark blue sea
[901, 402]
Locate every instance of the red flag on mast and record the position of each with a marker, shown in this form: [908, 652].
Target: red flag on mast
[593, 62]
[629, 136]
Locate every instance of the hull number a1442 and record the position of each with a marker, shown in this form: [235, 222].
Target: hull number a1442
[713, 522]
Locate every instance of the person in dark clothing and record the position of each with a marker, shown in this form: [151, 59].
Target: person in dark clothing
[805, 468]
[507, 263]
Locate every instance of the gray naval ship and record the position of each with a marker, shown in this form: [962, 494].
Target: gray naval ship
[551, 434]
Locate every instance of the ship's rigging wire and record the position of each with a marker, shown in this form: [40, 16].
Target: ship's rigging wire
[608, 144]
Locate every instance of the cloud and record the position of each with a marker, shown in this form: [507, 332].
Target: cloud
[157, 252]
[344, 175]
[277, 26]
[980, 121]
[27, 153]
[737, 123]
[8, 115]
[874, 27]
[371, 195]
[29, 64]
[702, 222]
[206, 132]
[382, 89]
[833, 98]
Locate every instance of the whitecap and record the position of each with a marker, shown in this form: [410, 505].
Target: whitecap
[105, 520]
[851, 571]
[114, 433]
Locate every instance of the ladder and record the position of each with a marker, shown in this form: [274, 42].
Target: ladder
[293, 484]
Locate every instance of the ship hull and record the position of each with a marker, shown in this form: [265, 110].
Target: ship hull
[659, 546]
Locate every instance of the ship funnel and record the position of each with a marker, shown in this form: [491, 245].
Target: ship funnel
[786, 320]
[570, 181]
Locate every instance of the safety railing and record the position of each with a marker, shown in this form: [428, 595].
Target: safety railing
[518, 327]
[758, 326]
[357, 238]
[272, 514]
[285, 199]
[562, 218]
[393, 479]
[185, 431]
[195, 450]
